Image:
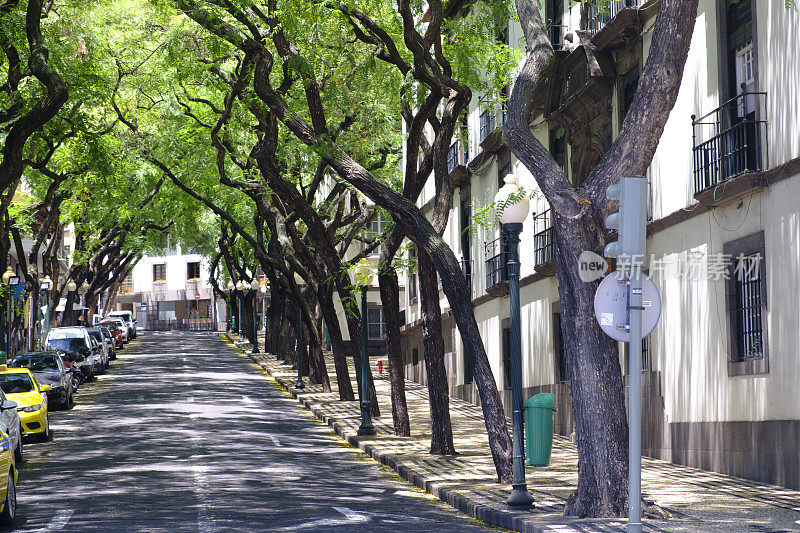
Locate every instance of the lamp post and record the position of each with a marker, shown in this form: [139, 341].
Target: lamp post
[254, 286]
[7, 275]
[514, 212]
[264, 314]
[299, 384]
[85, 286]
[71, 288]
[363, 275]
[45, 289]
[231, 326]
[239, 289]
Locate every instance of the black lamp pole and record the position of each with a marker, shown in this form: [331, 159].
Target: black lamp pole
[299, 384]
[519, 490]
[366, 427]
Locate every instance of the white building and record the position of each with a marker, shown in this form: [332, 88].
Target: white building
[721, 368]
[172, 292]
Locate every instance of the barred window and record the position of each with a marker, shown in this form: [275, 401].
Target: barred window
[746, 295]
[376, 324]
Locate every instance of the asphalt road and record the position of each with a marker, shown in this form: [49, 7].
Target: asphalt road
[184, 434]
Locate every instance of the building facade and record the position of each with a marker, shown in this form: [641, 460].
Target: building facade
[172, 292]
[721, 368]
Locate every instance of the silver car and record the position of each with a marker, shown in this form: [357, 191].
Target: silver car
[10, 424]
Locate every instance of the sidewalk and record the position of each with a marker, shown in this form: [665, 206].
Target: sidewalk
[700, 501]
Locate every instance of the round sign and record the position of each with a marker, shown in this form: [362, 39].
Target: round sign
[197, 296]
[611, 306]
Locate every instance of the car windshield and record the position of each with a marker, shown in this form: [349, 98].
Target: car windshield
[69, 345]
[36, 364]
[11, 383]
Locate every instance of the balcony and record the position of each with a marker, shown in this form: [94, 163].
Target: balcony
[729, 141]
[599, 19]
[496, 258]
[457, 159]
[543, 241]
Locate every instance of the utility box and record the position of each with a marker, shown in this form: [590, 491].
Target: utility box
[539, 411]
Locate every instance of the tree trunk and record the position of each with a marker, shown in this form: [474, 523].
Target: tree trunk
[439, 400]
[598, 398]
[390, 299]
[343, 382]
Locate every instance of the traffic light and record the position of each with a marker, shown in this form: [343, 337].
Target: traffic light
[629, 221]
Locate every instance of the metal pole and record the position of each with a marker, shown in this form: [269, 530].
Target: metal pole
[635, 399]
[239, 299]
[47, 316]
[299, 384]
[255, 321]
[519, 490]
[366, 417]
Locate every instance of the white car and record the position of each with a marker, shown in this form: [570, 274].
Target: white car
[10, 424]
[130, 321]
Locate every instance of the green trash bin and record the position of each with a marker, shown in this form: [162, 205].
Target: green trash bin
[539, 411]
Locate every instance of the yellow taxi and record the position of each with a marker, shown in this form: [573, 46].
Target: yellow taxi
[20, 386]
[8, 481]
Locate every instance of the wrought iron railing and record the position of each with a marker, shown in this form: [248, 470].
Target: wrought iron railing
[599, 18]
[574, 81]
[730, 140]
[488, 122]
[496, 258]
[542, 238]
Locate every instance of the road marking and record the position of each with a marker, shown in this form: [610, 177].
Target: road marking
[59, 521]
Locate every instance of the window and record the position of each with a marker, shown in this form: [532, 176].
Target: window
[746, 306]
[740, 55]
[501, 175]
[412, 280]
[630, 81]
[193, 270]
[415, 356]
[469, 365]
[160, 272]
[378, 224]
[555, 16]
[376, 324]
[166, 310]
[558, 147]
[126, 287]
[502, 36]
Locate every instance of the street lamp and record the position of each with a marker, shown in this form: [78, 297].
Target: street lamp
[264, 313]
[363, 275]
[231, 320]
[7, 276]
[239, 289]
[85, 287]
[254, 286]
[299, 384]
[511, 198]
[71, 288]
[44, 287]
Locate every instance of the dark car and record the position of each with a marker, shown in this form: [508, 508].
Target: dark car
[77, 347]
[48, 369]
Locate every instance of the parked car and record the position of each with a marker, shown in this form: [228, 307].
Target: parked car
[20, 386]
[105, 349]
[120, 322]
[116, 331]
[8, 480]
[77, 346]
[129, 319]
[109, 338]
[49, 369]
[11, 425]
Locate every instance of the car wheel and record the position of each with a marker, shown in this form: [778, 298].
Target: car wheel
[10, 508]
[47, 435]
[18, 449]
